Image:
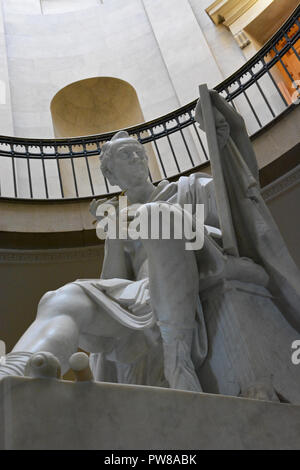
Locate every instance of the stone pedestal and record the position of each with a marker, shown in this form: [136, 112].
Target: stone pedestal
[54, 414]
[249, 339]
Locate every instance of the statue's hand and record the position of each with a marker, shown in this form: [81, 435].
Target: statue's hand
[95, 204]
[222, 126]
[233, 118]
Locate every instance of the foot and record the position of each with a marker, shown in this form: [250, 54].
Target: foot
[13, 364]
[261, 390]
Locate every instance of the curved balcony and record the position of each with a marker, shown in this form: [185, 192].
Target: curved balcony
[264, 91]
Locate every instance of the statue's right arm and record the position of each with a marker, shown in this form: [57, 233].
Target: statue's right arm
[116, 263]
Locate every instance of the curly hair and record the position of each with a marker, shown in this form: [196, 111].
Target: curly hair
[130, 148]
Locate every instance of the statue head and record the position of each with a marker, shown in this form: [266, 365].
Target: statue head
[124, 161]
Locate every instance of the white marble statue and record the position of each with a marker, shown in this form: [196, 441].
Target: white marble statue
[165, 316]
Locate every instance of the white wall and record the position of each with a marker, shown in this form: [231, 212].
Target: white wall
[6, 119]
[158, 46]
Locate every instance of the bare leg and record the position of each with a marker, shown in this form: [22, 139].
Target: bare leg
[63, 316]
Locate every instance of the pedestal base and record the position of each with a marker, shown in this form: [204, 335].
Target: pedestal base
[54, 414]
[249, 343]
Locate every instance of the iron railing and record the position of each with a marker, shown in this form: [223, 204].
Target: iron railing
[68, 168]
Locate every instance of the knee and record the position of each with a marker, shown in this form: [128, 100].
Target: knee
[46, 297]
[58, 302]
[45, 304]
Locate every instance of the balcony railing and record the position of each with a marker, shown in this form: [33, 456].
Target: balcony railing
[261, 90]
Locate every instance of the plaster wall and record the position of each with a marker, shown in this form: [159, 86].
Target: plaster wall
[158, 47]
[163, 49]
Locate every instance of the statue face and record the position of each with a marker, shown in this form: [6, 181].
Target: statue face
[128, 168]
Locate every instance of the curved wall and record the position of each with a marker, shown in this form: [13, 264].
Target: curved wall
[94, 106]
[164, 49]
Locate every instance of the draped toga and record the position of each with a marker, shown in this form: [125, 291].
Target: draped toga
[129, 301]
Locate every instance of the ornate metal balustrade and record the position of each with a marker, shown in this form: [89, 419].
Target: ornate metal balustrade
[69, 168]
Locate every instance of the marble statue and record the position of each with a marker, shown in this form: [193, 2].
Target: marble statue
[160, 315]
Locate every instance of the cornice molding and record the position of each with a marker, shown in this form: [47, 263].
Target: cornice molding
[282, 184]
[63, 255]
[228, 11]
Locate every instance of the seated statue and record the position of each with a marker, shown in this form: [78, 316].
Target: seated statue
[155, 315]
